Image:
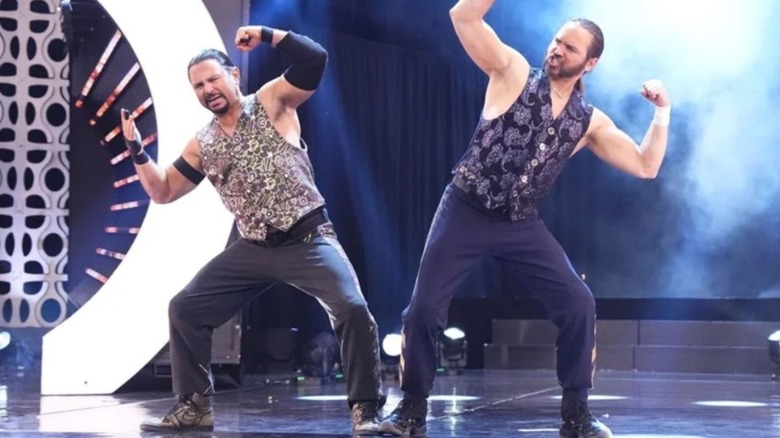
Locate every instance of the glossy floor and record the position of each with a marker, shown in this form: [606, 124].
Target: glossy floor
[477, 403]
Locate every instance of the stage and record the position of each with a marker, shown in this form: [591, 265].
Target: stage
[477, 403]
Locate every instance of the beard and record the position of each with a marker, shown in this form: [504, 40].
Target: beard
[562, 71]
[221, 108]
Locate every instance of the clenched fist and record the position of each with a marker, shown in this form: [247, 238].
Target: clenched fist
[249, 37]
[654, 91]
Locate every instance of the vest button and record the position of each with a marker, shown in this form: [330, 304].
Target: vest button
[524, 179]
[542, 147]
[534, 162]
[551, 130]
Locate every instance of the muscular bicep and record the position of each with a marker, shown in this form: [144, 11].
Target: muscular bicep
[485, 48]
[613, 146]
[184, 174]
[279, 95]
[288, 94]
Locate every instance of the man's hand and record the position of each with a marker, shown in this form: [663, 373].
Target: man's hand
[248, 37]
[654, 91]
[132, 137]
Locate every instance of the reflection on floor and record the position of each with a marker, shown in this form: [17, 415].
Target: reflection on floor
[478, 403]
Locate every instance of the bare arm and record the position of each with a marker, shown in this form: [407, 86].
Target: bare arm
[162, 185]
[481, 42]
[298, 82]
[617, 149]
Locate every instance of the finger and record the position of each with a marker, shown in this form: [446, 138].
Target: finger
[124, 113]
[244, 38]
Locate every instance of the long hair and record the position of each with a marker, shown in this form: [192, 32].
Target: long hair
[214, 54]
[596, 47]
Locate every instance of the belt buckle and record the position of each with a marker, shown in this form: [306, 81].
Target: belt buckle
[461, 184]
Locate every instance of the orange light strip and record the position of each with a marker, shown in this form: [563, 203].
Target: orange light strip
[126, 153]
[137, 112]
[128, 205]
[97, 275]
[126, 181]
[111, 254]
[117, 91]
[122, 230]
[110, 49]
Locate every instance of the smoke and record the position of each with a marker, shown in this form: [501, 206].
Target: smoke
[718, 61]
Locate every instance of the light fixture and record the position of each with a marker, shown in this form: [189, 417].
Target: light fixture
[391, 355]
[319, 359]
[774, 353]
[391, 345]
[452, 350]
[5, 340]
[9, 353]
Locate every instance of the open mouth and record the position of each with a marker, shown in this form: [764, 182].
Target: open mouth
[212, 99]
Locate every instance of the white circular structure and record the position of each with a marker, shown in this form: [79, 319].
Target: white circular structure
[125, 324]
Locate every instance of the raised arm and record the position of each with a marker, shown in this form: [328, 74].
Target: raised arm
[617, 149]
[168, 184]
[309, 59]
[481, 42]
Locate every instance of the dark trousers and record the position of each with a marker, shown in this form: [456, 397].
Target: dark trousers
[461, 234]
[317, 265]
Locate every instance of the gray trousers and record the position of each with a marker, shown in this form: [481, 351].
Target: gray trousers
[317, 265]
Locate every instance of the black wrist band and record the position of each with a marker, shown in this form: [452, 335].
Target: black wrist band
[141, 158]
[135, 146]
[266, 35]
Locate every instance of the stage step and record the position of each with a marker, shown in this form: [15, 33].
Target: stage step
[660, 346]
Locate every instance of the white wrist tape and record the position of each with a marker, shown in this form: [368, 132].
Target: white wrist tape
[662, 115]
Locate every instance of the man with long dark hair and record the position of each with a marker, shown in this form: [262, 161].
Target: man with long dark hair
[533, 121]
[253, 154]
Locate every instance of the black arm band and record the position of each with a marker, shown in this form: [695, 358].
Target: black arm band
[309, 60]
[266, 35]
[188, 171]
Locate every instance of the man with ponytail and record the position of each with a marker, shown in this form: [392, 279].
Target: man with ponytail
[533, 121]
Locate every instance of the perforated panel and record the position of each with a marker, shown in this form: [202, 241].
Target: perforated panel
[33, 164]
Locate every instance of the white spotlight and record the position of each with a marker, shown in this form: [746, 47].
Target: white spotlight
[391, 345]
[5, 340]
[454, 333]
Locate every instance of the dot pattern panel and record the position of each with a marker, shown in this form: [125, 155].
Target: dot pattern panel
[34, 164]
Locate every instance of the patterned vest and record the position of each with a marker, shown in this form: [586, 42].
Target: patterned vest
[262, 179]
[514, 159]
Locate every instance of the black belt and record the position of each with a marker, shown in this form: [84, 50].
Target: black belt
[299, 231]
[471, 198]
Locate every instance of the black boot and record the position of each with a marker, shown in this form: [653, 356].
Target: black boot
[578, 422]
[407, 419]
[190, 413]
[365, 418]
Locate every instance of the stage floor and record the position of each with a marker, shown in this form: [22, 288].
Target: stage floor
[477, 403]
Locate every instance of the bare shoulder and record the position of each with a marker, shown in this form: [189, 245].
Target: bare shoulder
[598, 120]
[192, 154]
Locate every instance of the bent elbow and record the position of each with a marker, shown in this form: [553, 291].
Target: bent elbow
[161, 198]
[457, 15]
[648, 174]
